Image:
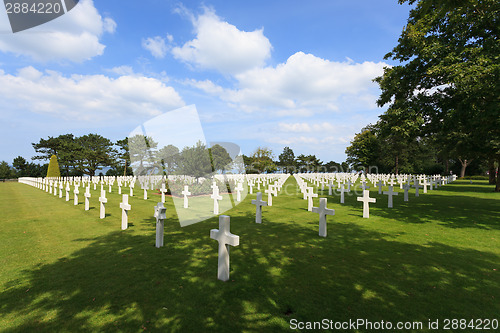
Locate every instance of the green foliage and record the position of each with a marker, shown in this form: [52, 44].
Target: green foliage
[195, 161]
[219, 158]
[287, 160]
[143, 155]
[308, 163]
[124, 155]
[95, 151]
[170, 158]
[261, 161]
[6, 172]
[364, 150]
[449, 54]
[53, 170]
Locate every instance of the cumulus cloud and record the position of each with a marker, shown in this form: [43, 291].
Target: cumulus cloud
[304, 84]
[222, 46]
[155, 45]
[73, 36]
[89, 98]
[305, 127]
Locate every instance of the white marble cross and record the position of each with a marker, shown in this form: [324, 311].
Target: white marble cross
[216, 197]
[186, 193]
[258, 203]
[87, 196]
[342, 190]
[406, 187]
[160, 215]
[163, 190]
[225, 238]
[238, 189]
[145, 193]
[67, 191]
[416, 185]
[125, 206]
[109, 187]
[60, 189]
[119, 188]
[391, 182]
[380, 184]
[330, 185]
[102, 200]
[75, 194]
[323, 211]
[271, 189]
[425, 184]
[251, 185]
[390, 193]
[364, 186]
[258, 183]
[132, 188]
[310, 196]
[349, 186]
[366, 200]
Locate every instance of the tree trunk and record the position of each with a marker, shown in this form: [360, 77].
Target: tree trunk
[447, 166]
[464, 163]
[397, 164]
[492, 172]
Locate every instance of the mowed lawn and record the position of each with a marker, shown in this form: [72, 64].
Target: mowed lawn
[65, 270]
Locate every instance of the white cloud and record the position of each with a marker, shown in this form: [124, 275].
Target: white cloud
[305, 127]
[222, 46]
[304, 84]
[73, 36]
[89, 98]
[122, 70]
[155, 45]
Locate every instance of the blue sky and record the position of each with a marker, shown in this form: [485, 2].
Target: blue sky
[261, 73]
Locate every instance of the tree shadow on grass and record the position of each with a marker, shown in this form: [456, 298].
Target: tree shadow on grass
[454, 211]
[280, 271]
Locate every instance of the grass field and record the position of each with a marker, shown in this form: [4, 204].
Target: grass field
[65, 270]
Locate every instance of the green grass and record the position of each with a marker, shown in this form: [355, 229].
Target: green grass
[65, 270]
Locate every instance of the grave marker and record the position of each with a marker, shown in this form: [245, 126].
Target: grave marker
[102, 200]
[160, 215]
[186, 193]
[258, 202]
[125, 206]
[323, 211]
[390, 193]
[366, 200]
[87, 196]
[225, 238]
[216, 197]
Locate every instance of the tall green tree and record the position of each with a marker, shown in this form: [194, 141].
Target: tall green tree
[220, 158]
[63, 146]
[123, 156]
[262, 160]
[143, 154]
[21, 166]
[169, 157]
[195, 161]
[308, 163]
[95, 152]
[450, 72]
[364, 150]
[287, 160]
[6, 172]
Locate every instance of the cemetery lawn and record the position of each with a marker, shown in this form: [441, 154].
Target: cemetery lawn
[65, 270]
